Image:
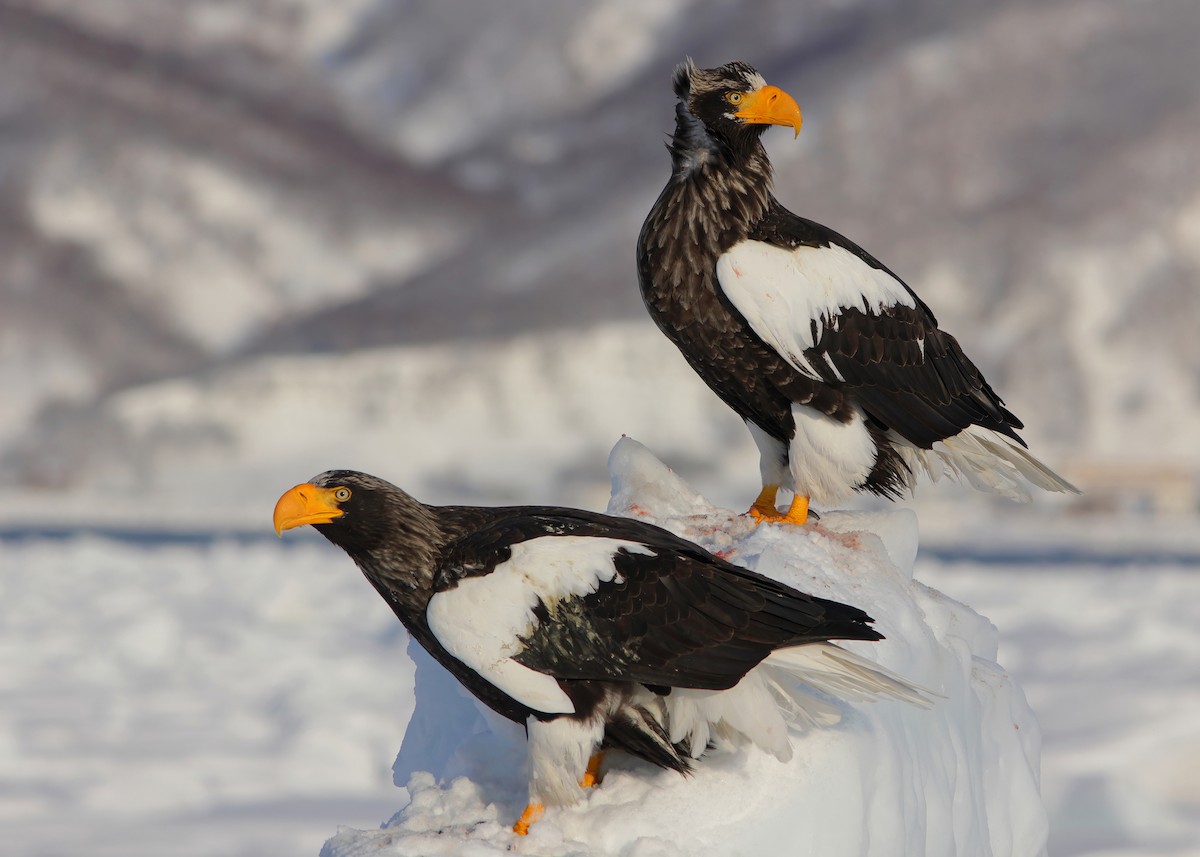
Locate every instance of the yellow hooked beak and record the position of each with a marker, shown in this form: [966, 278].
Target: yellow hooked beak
[770, 105]
[305, 504]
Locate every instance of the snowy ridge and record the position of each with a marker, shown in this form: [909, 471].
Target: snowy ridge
[958, 779]
[495, 422]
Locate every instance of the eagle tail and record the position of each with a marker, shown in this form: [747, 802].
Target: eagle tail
[790, 689]
[836, 672]
[988, 461]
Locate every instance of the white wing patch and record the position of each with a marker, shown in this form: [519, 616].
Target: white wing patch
[481, 620]
[781, 293]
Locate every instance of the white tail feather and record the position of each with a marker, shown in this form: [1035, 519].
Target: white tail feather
[782, 692]
[834, 671]
[987, 460]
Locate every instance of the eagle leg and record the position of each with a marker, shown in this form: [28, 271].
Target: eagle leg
[532, 813]
[763, 507]
[797, 513]
[592, 775]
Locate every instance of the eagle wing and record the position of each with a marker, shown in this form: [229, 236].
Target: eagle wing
[840, 317]
[611, 599]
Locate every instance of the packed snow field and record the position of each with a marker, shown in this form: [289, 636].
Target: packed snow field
[243, 696]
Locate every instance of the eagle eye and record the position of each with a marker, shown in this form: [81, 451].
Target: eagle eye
[341, 494]
[733, 97]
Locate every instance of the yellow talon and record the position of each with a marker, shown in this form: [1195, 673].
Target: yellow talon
[764, 510]
[532, 813]
[797, 513]
[763, 507]
[592, 775]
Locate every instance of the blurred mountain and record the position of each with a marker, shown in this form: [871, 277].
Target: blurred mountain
[190, 189]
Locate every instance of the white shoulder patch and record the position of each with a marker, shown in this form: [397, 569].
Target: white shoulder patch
[481, 620]
[782, 292]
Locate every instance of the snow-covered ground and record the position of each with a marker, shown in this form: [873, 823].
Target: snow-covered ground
[242, 696]
[1107, 649]
[192, 699]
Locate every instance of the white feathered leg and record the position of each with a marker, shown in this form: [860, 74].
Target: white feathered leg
[559, 751]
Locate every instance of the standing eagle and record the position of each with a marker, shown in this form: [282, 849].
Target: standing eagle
[838, 368]
[596, 631]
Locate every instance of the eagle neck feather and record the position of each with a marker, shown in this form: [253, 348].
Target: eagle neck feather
[726, 182]
[403, 566]
[715, 197]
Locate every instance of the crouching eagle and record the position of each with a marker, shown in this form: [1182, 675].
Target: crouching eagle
[595, 631]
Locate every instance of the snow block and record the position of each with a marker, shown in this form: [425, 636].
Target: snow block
[957, 780]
